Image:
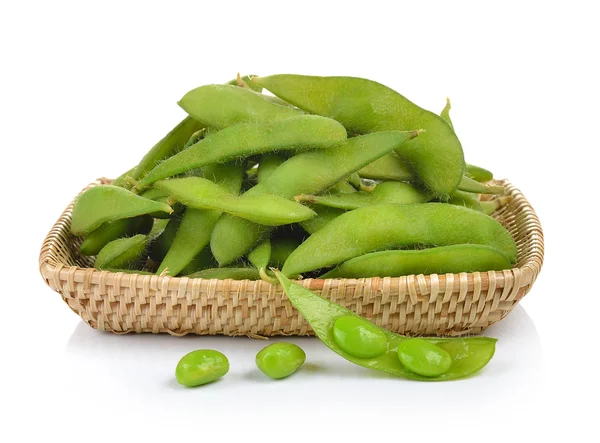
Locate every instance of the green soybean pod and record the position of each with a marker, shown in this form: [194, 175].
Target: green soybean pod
[308, 172]
[479, 174]
[424, 358]
[268, 163]
[491, 206]
[201, 367]
[167, 146]
[109, 231]
[388, 167]
[105, 203]
[358, 337]
[380, 227]
[123, 180]
[451, 259]
[121, 253]
[248, 139]
[260, 256]
[280, 360]
[466, 199]
[193, 233]
[221, 106]
[469, 185]
[365, 106]
[265, 209]
[385, 192]
[324, 215]
[468, 354]
[227, 273]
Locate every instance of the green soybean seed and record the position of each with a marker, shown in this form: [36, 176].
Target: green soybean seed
[280, 360]
[309, 172]
[381, 227]
[365, 106]
[468, 355]
[105, 203]
[424, 358]
[109, 231]
[221, 106]
[358, 337]
[248, 139]
[265, 209]
[121, 253]
[451, 259]
[201, 367]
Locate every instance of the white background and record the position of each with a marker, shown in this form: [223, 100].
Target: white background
[87, 87]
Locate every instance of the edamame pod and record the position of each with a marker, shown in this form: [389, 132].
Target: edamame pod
[109, 231]
[385, 192]
[168, 146]
[160, 245]
[309, 172]
[203, 260]
[104, 203]
[380, 227]
[268, 163]
[491, 206]
[193, 233]
[265, 209]
[246, 139]
[469, 185]
[365, 106]
[479, 174]
[451, 259]
[261, 255]
[123, 180]
[121, 253]
[221, 106]
[324, 215]
[281, 248]
[466, 199]
[468, 355]
[227, 273]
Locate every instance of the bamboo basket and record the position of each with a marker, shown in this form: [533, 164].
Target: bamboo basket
[430, 305]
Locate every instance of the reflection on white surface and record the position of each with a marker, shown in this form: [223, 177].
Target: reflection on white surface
[143, 365]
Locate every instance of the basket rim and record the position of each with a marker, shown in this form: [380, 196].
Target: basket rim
[51, 268]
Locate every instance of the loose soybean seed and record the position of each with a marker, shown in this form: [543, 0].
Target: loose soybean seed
[280, 360]
[201, 367]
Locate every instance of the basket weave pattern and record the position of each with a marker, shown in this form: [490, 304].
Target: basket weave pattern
[444, 305]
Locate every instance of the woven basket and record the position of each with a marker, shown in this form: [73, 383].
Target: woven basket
[444, 305]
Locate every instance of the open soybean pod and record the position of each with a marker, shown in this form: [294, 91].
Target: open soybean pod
[365, 344]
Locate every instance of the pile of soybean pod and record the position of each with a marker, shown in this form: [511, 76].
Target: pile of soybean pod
[321, 177]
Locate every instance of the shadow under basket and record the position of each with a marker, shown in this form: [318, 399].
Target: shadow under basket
[442, 305]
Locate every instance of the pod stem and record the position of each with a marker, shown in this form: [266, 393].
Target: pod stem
[266, 277]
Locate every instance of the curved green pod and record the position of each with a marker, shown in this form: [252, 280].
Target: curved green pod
[388, 167]
[167, 146]
[467, 184]
[380, 227]
[265, 209]
[308, 172]
[364, 106]
[121, 253]
[109, 231]
[451, 259]
[260, 256]
[281, 248]
[193, 233]
[469, 355]
[160, 244]
[267, 164]
[105, 203]
[324, 215]
[385, 192]
[479, 174]
[466, 199]
[221, 106]
[247, 139]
